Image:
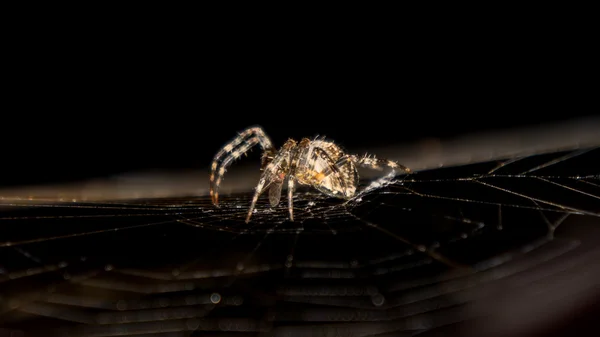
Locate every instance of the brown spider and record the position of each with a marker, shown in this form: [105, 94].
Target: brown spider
[318, 163]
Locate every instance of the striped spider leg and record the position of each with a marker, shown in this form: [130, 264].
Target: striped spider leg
[371, 162]
[377, 164]
[233, 150]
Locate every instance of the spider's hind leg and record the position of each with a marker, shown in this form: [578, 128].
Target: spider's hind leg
[375, 163]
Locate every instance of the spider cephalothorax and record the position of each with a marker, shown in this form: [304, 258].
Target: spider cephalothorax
[318, 163]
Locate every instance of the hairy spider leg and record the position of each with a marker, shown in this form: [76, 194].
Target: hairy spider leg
[375, 163]
[277, 183]
[215, 179]
[264, 178]
[291, 183]
[288, 153]
[274, 172]
[233, 150]
[294, 159]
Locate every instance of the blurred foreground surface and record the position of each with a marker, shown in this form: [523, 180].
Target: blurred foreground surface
[494, 235]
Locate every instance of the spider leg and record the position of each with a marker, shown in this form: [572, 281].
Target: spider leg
[218, 169]
[233, 150]
[293, 160]
[258, 190]
[272, 174]
[255, 131]
[291, 197]
[375, 163]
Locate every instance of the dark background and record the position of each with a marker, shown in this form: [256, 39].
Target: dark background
[91, 104]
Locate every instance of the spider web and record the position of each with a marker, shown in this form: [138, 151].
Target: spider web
[410, 254]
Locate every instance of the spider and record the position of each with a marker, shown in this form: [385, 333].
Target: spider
[318, 163]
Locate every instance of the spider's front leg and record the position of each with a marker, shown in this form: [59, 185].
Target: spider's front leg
[264, 180]
[233, 150]
[294, 158]
[272, 177]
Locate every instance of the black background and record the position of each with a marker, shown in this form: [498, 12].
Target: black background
[83, 104]
[88, 104]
